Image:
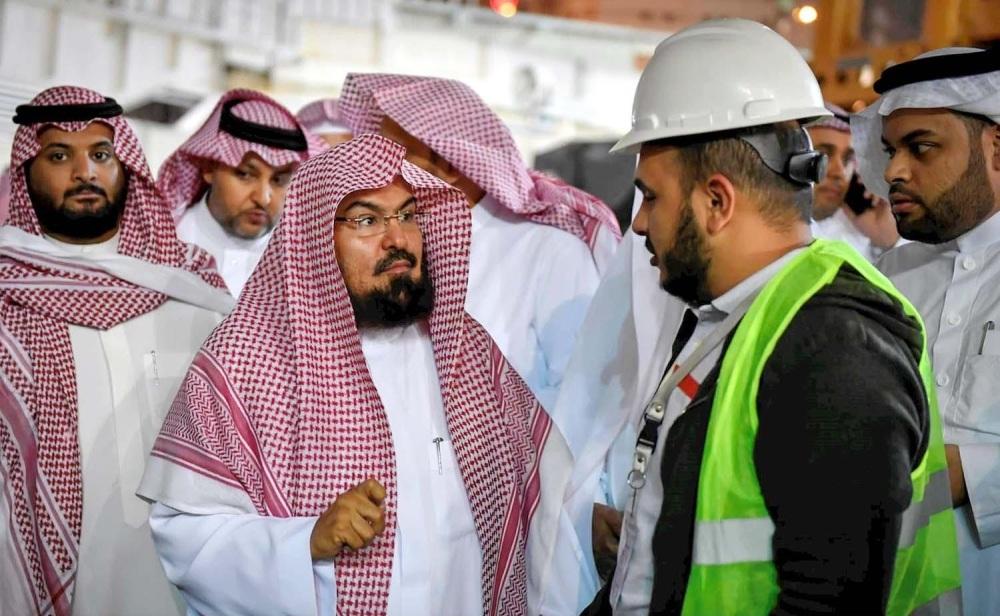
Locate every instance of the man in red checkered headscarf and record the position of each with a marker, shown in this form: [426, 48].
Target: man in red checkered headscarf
[350, 440]
[538, 244]
[101, 310]
[226, 184]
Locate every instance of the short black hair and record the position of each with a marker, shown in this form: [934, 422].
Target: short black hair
[781, 201]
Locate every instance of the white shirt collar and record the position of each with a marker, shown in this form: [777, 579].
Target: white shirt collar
[107, 247]
[980, 236]
[728, 301]
[379, 341]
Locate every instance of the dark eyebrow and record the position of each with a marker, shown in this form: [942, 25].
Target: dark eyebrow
[641, 186]
[250, 164]
[377, 208]
[100, 144]
[912, 136]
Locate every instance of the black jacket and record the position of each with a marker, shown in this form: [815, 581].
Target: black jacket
[843, 420]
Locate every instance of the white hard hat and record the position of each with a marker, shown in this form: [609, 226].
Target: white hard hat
[718, 75]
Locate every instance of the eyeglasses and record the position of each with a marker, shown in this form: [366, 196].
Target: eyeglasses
[367, 225]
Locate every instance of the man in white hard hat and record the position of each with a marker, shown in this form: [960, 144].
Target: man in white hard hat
[791, 459]
[931, 144]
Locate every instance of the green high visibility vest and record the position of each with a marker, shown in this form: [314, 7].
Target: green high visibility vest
[732, 568]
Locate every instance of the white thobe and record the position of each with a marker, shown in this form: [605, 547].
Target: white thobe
[235, 257]
[956, 288]
[838, 226]
[126, 378]
[632, 586]
[615, 367]
[530, 286]
[243, 563]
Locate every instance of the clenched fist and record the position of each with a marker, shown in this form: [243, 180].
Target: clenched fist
[353, 520]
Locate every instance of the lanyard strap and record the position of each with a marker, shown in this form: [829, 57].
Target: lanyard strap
[645, 445]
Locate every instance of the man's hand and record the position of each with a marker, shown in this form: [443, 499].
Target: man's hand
[606, 528]
[353, 520]
[959, 495]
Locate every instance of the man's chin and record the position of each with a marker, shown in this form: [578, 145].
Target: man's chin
[247, 232]
[822, 211]
[917, 228]
[411, 275]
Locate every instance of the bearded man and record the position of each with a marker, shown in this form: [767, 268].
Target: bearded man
[101, 310]
[350, 440]
[931, 145]
[538, 244]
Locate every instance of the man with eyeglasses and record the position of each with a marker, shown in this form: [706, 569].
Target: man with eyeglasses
[538, 247]
[351, 440]
[376, 246]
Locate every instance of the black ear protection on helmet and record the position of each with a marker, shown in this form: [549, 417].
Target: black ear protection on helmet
[789, 153]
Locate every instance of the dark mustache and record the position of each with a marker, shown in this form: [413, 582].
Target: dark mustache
[896, 192]
[82, 188]
[395, 255]
[649, 247]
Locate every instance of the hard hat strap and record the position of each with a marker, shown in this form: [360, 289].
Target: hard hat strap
[789, 153]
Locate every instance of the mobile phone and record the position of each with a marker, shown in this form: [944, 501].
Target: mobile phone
[855, 197]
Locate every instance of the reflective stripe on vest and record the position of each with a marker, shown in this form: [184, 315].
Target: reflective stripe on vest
[732, 569]
[740, 540]
[937, 498]
[943, 605]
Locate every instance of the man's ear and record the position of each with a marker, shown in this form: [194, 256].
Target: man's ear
[720, 196]
[207, 173]
[993, 150]
[449, 173]
[27, 171]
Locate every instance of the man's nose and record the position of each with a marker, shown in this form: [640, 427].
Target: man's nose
[395, 235]
[263, 193]
[897, 171]
[835, 168]
[84, 169]
[640, 225]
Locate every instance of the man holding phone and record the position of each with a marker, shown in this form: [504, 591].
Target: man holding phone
[839, 200]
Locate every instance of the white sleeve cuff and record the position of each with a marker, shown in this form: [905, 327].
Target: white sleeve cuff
[242, 563]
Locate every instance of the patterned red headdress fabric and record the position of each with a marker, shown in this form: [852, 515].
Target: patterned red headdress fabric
[279, 404]
[40, 477]
[320, 113]
[453, 121]
[180, 175]
[839, 121]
